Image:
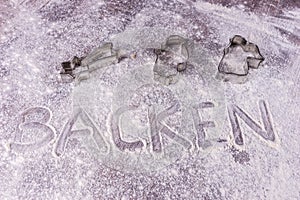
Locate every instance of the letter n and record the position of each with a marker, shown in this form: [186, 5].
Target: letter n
[267, 133]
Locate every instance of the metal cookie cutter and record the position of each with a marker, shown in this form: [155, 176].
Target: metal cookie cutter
[238, 58]
[171, 59]
[79, 69]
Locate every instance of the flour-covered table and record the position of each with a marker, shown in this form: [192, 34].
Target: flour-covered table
[149, 100]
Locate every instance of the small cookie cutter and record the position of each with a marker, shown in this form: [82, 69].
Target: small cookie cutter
[171, 59]
[239, 57]
[79, 69]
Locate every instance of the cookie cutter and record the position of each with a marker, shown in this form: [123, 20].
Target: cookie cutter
[239, 57]
[171, 59]
[79, 69]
